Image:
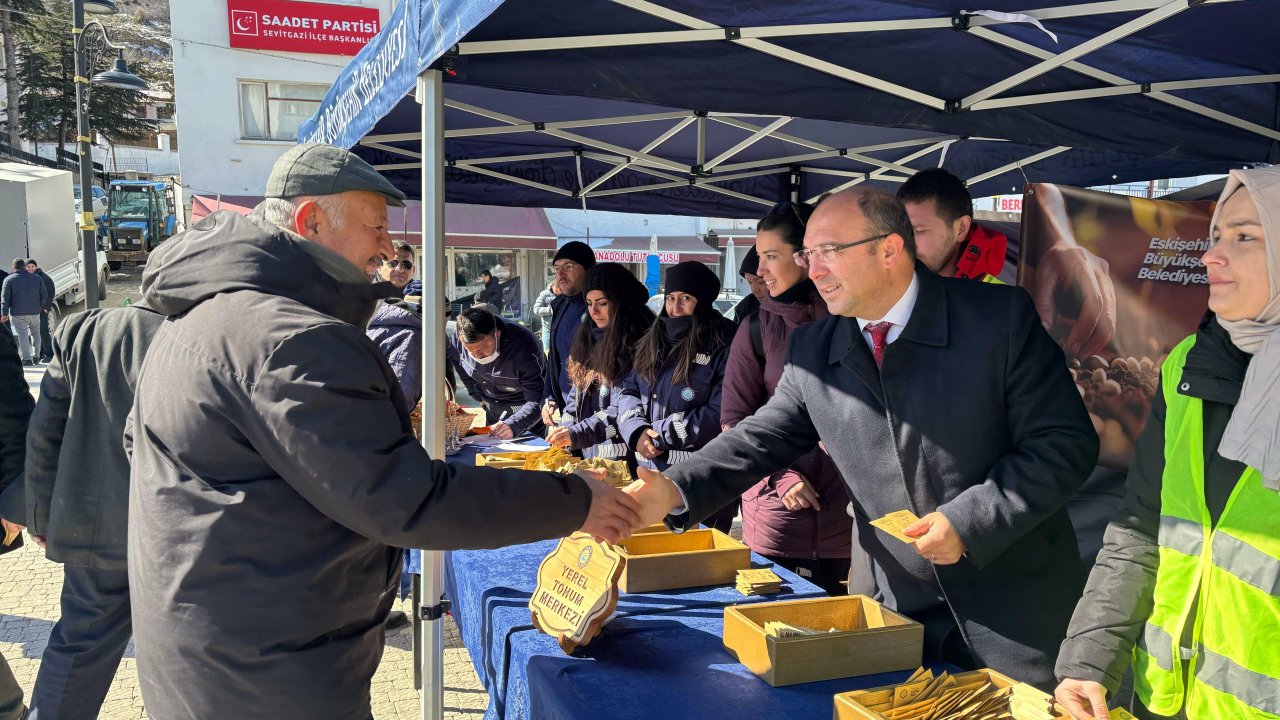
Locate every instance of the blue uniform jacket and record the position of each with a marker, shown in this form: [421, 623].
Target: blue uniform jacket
[686, 415]
[592, 419]
[512, 384]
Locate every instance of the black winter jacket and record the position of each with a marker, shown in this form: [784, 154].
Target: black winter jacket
[274, 471]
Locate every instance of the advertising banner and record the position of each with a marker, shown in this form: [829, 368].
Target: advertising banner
[304, 27]
[1118, 281]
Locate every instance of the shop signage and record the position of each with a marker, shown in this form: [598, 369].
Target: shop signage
[635, 256]
[1009, 203]
[577, 590]
[305, 27]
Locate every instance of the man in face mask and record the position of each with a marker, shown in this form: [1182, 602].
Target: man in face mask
[502, 367]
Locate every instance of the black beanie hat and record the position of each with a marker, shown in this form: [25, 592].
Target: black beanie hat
[750, 263]
[695, 279]
[578, 252]
[617, 283]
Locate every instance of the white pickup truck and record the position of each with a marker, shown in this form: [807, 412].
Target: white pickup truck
[36, 222]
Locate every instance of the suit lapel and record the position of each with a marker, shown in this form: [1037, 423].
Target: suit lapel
[850, 350]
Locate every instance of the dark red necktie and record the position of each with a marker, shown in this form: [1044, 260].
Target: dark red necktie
[879, 332]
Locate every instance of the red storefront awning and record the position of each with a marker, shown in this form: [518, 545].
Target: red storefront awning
[672, 249]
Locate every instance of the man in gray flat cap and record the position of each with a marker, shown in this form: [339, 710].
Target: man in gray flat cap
[274, 469]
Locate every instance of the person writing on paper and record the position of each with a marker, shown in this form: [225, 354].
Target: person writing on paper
[1187, 586]
[940, 396]
[502, 365]
[601, 358]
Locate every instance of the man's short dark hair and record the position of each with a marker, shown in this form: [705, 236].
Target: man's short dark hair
[402, 246]
[886, 214]
[951, 198]
[486, 273]
[32, 261]
[475, 323]
[19, 263]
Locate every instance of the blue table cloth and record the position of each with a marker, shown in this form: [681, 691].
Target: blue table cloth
[490, 591]
[673, 667]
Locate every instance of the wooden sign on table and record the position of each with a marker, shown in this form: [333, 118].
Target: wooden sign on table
[577, 590]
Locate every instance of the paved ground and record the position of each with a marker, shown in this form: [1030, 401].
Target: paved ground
[30, 586]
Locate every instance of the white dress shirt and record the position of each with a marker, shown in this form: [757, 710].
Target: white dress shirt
[898, 315]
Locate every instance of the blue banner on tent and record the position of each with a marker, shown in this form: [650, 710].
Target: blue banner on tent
[385, 71]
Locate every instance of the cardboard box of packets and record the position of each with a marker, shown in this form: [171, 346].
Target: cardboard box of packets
[800, 641]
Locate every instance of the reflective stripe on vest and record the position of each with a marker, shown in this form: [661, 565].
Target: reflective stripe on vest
[1223, 595]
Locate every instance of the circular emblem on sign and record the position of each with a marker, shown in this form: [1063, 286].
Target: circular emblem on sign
[584, 557]
[687, 394]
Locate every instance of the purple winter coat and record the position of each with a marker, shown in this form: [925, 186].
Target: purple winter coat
[768, 527]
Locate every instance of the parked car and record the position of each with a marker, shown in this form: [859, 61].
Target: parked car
[725, 303]
[99, 201]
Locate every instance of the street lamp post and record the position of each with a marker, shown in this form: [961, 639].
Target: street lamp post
[119, 77]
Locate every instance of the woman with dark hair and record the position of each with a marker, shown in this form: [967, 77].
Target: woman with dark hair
[795, 517]
[670, 403]
[600, 358]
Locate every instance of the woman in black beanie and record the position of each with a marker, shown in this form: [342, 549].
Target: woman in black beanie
[670, 403]
[600, 358]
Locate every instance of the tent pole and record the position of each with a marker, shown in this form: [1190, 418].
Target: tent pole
[431, 96]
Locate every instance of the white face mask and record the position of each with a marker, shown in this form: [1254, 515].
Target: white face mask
[485, 360]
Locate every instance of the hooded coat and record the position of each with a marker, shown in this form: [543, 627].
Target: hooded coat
[397, 329]
[274, 470]
[768, 527]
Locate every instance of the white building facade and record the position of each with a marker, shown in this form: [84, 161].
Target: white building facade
[239, 109]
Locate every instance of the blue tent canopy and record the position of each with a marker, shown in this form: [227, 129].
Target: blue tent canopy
[755, 102]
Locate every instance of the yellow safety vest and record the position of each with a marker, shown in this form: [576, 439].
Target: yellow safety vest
[1224, 579]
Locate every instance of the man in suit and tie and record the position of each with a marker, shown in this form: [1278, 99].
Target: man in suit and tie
[934, 395]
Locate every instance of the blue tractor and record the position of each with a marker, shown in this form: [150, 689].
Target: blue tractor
[140, 216]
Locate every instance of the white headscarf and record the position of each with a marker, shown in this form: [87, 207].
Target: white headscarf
[1253, 433]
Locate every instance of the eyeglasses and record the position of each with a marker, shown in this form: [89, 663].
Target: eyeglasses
[829, 252]
[393, 264]
[563, 267]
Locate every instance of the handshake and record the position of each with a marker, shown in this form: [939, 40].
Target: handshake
[615, 513]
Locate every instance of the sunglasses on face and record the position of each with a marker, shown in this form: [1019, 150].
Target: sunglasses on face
[393, 264]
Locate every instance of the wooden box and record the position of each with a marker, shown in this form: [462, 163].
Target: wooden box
[664, 561]
[501, 460]
[657, 528]
[854, 705]
[872, 639]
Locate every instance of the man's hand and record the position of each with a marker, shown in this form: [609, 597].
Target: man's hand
[614, 514]
[559, 437]
[801, 497]
[937, 540]
[1084, 699]
[4, 318]
[39, 540]
[11, 531]
[645, 445]
[548, 413]
[501, 431]
[657, 495]
[1069, 275]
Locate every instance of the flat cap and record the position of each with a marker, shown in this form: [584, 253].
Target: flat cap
[319, 169]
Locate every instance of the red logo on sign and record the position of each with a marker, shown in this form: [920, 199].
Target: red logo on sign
[300, 26]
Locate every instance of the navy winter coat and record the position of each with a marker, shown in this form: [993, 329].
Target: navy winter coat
[686, 415]
[592, 419]
[397, 330]
[512, 384]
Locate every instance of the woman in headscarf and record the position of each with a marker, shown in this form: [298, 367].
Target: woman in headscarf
[670, 403]
[1187, 587]
[600, 358]
[795, 517]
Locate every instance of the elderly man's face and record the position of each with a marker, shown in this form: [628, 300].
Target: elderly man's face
[358, 233]
[402, 272]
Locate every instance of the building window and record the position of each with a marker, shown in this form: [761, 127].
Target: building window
[274, 110]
